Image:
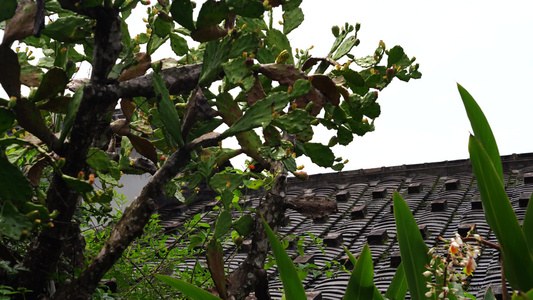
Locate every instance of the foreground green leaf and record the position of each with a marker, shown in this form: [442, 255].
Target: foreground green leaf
[12, 223]
[191, 291]
[413, 250]
[361, 283]
[13, 184]
[482, 129]
[294, 290]
[517, 259]
[398, 286]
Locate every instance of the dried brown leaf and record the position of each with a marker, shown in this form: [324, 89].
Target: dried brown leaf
[143, 62]
[36, 171]
[144, 147]
[121, 127]
[208, 34]
[256, 93]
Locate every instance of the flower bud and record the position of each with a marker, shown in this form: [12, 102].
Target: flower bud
[335, 30]
[302, 175]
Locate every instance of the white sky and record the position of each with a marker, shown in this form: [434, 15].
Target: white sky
[483, 45]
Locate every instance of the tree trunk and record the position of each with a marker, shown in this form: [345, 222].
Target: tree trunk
[250, 273]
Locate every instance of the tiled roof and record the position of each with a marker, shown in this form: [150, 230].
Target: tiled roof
[442, 196]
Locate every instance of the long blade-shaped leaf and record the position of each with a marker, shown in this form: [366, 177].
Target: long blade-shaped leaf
[361, 283]
[398, 286]
[353, 260]
[481, 129]
[413, 250]
[167, 111]
[527, 225]
[518, 262]
[294, 290]
[192, 291]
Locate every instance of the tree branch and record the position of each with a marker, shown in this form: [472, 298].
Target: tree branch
[129, 227]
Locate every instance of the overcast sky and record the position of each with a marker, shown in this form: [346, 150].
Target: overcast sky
[485, 47]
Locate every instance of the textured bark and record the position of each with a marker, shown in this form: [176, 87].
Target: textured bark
[42, 259]
[245, 279]
[129, 227]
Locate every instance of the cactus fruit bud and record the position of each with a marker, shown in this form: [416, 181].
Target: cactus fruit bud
[91, 178]
[81, 175]
[302, 175]
[357, 26]
[390, 73]
[333, 141]
[335, 30]
[12, 102]
[282, 57]
[357, 42]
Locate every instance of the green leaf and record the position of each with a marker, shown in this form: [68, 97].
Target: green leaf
[178, 44]
[245, 8]
[293, 18]
[344, 135]
[244, 225]
[167, 111]
[293, 122]
[212, 13]
[161, 27]
[216, 53]
[517, 258]
[223, 224]
[191, 291]
[361, 283]
[220, 181]
[7, 117]
[319, 154]
[13, 223]
[181, 11]
[8, 9]
[69, 29]
[345, 47]
[79, 185]
[294, 289]
[154, 43]
[236, 70]
[277, 42]
[527, 225]
[72, 109]
[413, 250]
[98, 159]
[398, 286]
[290, 164]
[482, 129]
[13, 184]
[397, 56]
[366, 62]
[107, 178]
[246, 43]
[301, 87]
[257, 115]
[489, 295]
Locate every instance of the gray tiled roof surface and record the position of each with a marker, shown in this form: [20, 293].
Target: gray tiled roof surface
[442, 196]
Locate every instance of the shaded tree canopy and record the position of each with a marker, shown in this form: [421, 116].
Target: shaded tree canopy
[270, 97]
